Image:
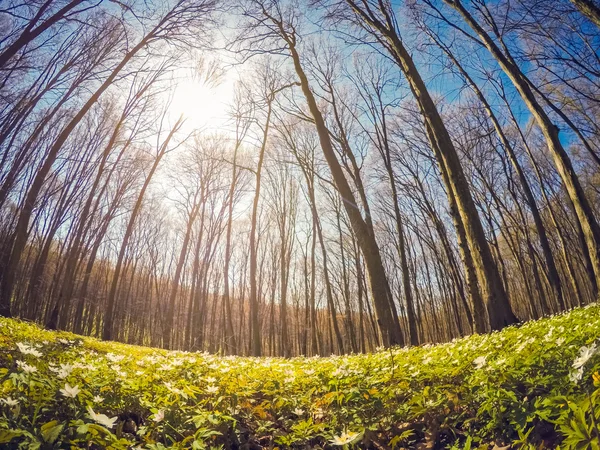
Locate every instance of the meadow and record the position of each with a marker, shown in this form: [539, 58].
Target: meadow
[530, 386]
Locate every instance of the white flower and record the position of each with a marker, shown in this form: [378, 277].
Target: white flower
[97, 399]
[576, 376]
[26, 367]
[159, 416]
[479, 362]
[585, 353]
[298, 411]
[9, 401]
[114, 358]
[345, 438]
[102, 419]
[70, 391]
[501, 362]
[27, 350]
[319, 413]
[560, 341]
[65, 370]
[211, 380]
[173, 389]
[212, 389]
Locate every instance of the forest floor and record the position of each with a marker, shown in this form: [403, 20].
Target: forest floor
[533, 386]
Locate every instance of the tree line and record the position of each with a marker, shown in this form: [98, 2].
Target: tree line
[390, 173]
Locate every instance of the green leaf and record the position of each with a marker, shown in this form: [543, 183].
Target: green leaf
[8, 435]
[51, 431]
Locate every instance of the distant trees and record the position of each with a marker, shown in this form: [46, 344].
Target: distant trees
[379, 181]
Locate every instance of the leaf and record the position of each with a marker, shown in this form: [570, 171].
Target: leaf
[8, 435]
[51, 431]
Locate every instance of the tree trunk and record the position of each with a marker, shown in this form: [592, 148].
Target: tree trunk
[582, 207]
[388, 325]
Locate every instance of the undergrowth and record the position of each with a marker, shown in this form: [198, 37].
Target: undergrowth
[533, 386]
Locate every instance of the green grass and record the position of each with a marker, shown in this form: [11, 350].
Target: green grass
[520, 386]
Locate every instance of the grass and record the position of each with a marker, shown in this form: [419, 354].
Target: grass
[533, 386]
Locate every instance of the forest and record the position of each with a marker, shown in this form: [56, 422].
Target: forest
[370, 173]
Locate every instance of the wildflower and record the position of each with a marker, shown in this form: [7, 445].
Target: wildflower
[102, 419]
[70, 391]
[319, 413]
[65, 370]
[173, 389]
[479, 362]
[298, 411]
[576, 376]
[26, 367]
[27, 350]
[159, 416]
[211, 380]
[9, 401]
[114, 358]
[345, 438]
[212, 389]
[560, 341]
[585, 353]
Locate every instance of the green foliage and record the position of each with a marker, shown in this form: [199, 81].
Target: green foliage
[533, 386]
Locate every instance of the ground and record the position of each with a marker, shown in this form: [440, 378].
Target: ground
[533, 386]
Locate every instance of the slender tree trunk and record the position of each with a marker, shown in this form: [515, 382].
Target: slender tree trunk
[390, 330]
[254, 321]
[168, 337]
[109, 312]
[230, 342]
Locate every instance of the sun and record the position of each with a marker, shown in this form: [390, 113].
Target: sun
[202, 105]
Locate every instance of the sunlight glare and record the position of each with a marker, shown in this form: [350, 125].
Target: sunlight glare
[202, 105]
